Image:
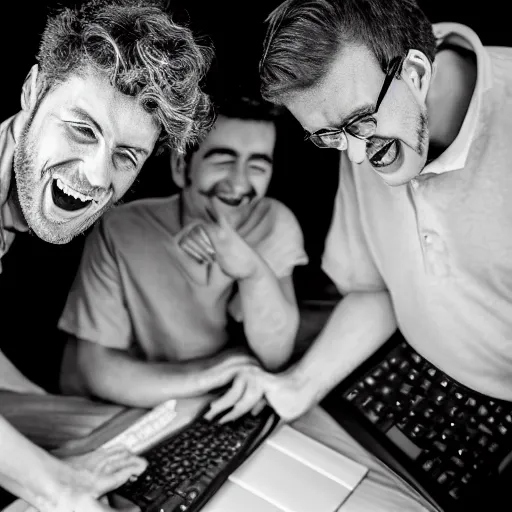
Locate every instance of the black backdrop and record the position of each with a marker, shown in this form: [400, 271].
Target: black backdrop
[37, 275]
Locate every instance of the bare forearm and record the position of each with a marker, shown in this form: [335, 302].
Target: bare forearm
[30, 473]
[359, 324]
[118, 377]
[270, 319]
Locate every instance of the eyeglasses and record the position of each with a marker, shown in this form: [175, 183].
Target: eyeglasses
[362, 127]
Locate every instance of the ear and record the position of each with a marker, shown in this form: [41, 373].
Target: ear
[417, 72]
[178, 168]
[30, 90]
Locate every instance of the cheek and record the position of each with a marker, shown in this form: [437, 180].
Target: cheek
[260, 183]
[121, 182]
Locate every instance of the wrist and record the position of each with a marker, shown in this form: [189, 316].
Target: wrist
[60, 494]
[303, 381]
[256, 270]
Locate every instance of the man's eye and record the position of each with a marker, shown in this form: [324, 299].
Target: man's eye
[83, 131]
[260, 169]
[382, 153]
[128, 158]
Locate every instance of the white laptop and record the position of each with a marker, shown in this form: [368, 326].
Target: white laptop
[289, 472]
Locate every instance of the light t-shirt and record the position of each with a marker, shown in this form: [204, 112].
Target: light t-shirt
[442, 244]
[137, 290]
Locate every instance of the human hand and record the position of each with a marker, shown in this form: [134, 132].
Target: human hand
[104, 470]
[253, 387]
[88, 478]
[195, 243]
[218, 241]
[223, 368]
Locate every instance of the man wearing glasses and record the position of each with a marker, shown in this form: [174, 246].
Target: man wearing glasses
[421, 235]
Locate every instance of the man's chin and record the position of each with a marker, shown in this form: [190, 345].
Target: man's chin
[60, 233]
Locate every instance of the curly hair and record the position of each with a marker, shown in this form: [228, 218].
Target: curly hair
[144, 53]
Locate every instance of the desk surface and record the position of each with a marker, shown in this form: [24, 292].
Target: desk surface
[380, 490]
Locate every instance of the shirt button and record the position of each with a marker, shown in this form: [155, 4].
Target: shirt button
[427, 238]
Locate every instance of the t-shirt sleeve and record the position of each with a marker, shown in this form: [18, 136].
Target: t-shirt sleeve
[95, 308]
[283, 248]
[347, 258]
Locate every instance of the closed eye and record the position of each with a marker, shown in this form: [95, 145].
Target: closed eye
[128, 158]
[83, 131]
[259, 168]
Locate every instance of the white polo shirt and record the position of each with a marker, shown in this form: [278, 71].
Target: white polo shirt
[442, 244]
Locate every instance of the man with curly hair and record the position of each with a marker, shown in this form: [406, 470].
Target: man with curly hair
[114, 80]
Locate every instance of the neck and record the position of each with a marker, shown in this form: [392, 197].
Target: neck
[449, 97]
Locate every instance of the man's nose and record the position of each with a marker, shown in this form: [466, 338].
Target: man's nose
[97, 168]
[356, 149]
[239, 180]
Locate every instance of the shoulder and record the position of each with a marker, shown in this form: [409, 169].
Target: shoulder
[283, 247]
[283, 220]
[140, 218]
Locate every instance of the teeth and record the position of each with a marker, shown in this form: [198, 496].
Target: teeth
[234, 198]
[70, 192]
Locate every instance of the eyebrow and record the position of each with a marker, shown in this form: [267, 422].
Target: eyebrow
[85, 116]
[363, 110]
[221, 151]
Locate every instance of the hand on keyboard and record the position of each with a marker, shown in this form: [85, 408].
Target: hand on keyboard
[254, 386]
[102, 470]
[90, 476]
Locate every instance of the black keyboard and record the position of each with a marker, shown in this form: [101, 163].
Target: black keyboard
[449, 442]
[185, 470]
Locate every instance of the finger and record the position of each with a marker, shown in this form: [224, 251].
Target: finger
[258, 407]
[203, 236]
[222, 220]
[199, 237]
[250, 398]
[100, 460]
[192, 251]
[227, 400]
[137, 464]
[108, 482]
[195, 242]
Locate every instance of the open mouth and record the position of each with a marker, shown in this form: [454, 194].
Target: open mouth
[68, 199]
[233, 201]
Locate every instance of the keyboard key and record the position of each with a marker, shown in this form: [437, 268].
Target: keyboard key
[426, 384]
[457, 461]
[352, 395]
[454, 493]
[413, 375]
[393, 377]
[405, 389]
[370, 381]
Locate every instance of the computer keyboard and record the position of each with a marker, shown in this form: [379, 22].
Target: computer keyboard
[446, 440]
[185, 470]
[147, 430]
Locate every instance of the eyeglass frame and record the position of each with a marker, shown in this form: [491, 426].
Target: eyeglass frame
[394, 68]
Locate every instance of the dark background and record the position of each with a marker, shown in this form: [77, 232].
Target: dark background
[37, 275]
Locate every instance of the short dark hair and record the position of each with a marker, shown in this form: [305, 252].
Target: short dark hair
[305, 36]
[144, 53]
[248, 108]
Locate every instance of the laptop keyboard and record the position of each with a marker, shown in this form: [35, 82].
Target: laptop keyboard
[455, 435]
[184, 471]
